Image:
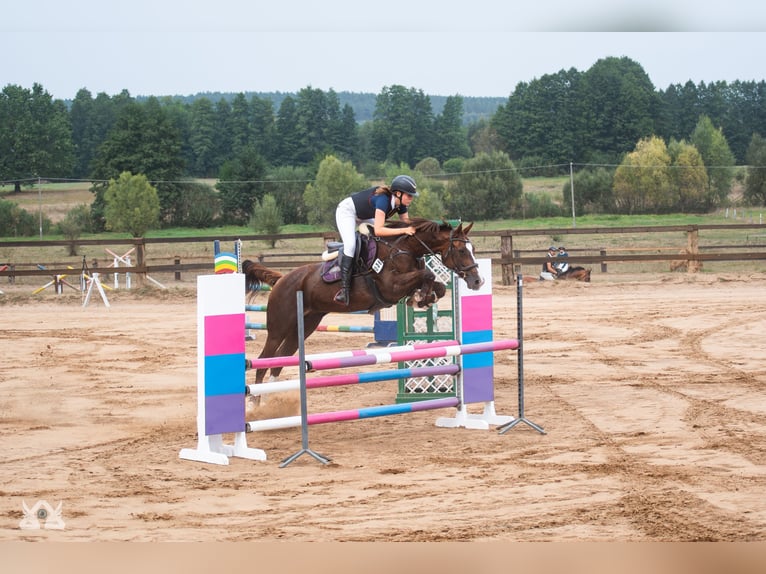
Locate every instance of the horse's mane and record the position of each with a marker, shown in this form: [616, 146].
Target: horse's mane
[420, 224]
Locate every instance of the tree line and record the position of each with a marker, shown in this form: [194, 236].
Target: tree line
[637, 149]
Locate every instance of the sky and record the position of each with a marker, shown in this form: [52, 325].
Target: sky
[442, 47]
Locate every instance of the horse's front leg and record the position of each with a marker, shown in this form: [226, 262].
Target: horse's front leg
[428, 293]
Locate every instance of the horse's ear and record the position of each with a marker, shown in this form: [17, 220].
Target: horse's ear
[467, 229]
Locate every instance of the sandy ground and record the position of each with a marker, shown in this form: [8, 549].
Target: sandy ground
[650, 389]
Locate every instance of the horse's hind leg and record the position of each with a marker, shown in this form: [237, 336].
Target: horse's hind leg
[290, 343]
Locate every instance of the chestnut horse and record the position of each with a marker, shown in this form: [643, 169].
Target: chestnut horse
[575, 273]
[401, 272]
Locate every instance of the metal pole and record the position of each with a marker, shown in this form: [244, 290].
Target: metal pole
[304, 410]
[40, 205]
[520, 330]
[571, 191]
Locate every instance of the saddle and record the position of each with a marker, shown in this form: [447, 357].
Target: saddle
[364, 255]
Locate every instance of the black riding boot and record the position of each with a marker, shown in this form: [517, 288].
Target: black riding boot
[344, 294]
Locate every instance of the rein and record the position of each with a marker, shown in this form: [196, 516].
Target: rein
[461, 272]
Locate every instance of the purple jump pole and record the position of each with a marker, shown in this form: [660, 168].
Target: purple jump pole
[413, 355]
[293, 360]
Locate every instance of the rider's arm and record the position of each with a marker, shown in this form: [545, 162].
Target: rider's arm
[551, 269]
[382, 231]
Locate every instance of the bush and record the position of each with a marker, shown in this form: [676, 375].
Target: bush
[200, 206]
[267, 218]
[539, 205]
[132, 204]
[75, 223]
[17, 222]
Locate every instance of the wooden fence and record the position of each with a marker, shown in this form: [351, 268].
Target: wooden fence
[505, 248]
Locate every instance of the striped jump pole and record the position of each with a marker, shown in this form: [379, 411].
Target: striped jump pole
[294, 360]
[346, 328]
[260, 326]
[413, 355]
[324, 328]
[354, 414]
[350, 379]
[265, 307]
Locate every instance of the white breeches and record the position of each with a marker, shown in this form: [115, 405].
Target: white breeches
[347, 222]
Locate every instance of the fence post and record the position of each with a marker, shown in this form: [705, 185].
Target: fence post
[506, 251]
[692, 247]
[141, 260]
[177, 262]
[603, 263]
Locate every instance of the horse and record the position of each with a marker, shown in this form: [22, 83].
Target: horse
[575, 273]
[398, 271]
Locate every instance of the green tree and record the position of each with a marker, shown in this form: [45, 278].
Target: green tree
[203, 138]
[428, 166]
[240, 127]
[755, 183]
[345, 138]
[241, 183]
[451, 139]
[542, 118]
[264, 128]
[429, 203]
[287, 184]
[402, 130]
[489, 188]
[267, 219]
[35, 136]
[18, 222]
[642, 182]
[288, 148]
[716, 156]
[132, 204]
[200, 206]
[75, 223]
[223, 138]
[592, 191]
[334, 181]
[619, 105]
[92, 120]
[483, 137]
[745, 115]
[317, 126]
[144, 140]
[689, 178]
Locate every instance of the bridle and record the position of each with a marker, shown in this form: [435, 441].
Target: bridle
[460, 270]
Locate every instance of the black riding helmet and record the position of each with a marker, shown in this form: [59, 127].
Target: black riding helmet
[405, 184]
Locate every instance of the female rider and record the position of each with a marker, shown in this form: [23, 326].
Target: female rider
[373, 205]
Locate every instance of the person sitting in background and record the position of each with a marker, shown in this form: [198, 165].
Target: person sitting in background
[561, 266]
[549, 271]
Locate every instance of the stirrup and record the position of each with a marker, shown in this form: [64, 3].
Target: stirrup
[343, 297]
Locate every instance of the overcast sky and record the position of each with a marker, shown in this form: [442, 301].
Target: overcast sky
[443, 47]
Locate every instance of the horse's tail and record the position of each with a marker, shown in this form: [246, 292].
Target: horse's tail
[257, 275]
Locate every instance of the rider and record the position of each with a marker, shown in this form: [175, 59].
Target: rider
[550, 271]
[373, 205]
[561, 266]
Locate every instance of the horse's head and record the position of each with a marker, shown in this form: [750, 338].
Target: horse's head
[458, 256]
[450, 243]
